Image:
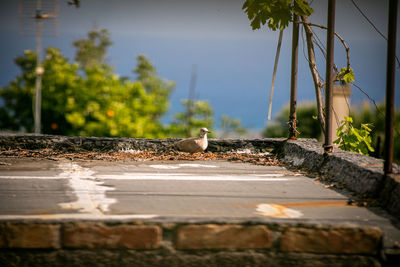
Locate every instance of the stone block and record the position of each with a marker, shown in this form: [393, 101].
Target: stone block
[29, 235]
[337, 240]
[98, 235]
[213, 236]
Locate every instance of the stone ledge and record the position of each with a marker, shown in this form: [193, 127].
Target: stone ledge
[212, 236]
[360, 174]
[100, 235]
[29, 236]
[79, 144]
[147, 235]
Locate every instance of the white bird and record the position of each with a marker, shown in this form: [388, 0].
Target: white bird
[194, 145]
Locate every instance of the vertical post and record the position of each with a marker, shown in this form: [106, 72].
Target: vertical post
[390, 77]
[278, 51]
[191, 97]
[293, 79]
[39, 69]
[329, 77]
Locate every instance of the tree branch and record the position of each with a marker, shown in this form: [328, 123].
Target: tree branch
[346, 47]
[313, 69]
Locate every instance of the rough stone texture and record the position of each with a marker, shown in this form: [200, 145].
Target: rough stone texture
[78, 144]
[360, 174]
[92, 235]
[29, 235]
[212, 236]
[117, 258]
[360, 240]
[390, 194]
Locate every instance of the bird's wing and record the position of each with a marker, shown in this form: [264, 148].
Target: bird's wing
[188, 145]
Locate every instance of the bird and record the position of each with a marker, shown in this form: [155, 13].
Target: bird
[195, 144]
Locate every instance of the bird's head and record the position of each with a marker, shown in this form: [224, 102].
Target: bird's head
[204, 131]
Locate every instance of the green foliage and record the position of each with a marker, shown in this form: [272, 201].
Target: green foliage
[93, 50]
[346, 75]
[229, 125]
[278, 13]
[87, 101]
[369, 114]
[158, 88]
[309, 127]
[354, 139]
[307, 124]
[60, 80]
[188, 123]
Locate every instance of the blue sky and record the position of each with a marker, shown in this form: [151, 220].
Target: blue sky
[234, 63]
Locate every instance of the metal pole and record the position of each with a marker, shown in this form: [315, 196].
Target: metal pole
[278, 51]
[39, 69]
[191, 97]
[390, 77]
[329, 77]
[293, 79]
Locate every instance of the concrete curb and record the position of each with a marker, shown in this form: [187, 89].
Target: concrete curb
[358, 173]
[103, 144]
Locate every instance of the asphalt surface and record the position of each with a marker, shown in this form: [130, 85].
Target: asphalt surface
[96, 190]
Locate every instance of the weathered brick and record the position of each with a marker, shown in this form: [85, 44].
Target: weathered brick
[97, 235]
[29, 235]
[338, 240]
[211, 236]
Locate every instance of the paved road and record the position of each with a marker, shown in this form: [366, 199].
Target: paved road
[66, 189]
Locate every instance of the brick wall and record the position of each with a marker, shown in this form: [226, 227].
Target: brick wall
[254, 244]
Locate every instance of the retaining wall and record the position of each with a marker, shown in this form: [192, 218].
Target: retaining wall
[187, 244]
[197, 242]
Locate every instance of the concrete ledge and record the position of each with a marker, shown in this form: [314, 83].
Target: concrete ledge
[358, 173]
[79, 144]
[183, 243]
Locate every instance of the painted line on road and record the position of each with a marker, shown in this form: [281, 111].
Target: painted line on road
[192, 165]
[80, 216]
[90, 193]
[277, 211]
[31, 177]
[182, 177]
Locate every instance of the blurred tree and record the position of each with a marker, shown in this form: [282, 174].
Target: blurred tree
[307, 125]
[90, 100]
[201, 116]
[158, 88]
[59, 80]
[230, 126]
[92, 51]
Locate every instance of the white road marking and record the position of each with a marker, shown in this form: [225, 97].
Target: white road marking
[80, 216]
[164, 167]
[90, 177]
[277, 211]
[31, 177]
[195, 165]
[189, 177]
[270, 175]
[90, 193]
[170, 167]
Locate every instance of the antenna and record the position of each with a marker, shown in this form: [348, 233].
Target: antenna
[191, 97]
[39, 11]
